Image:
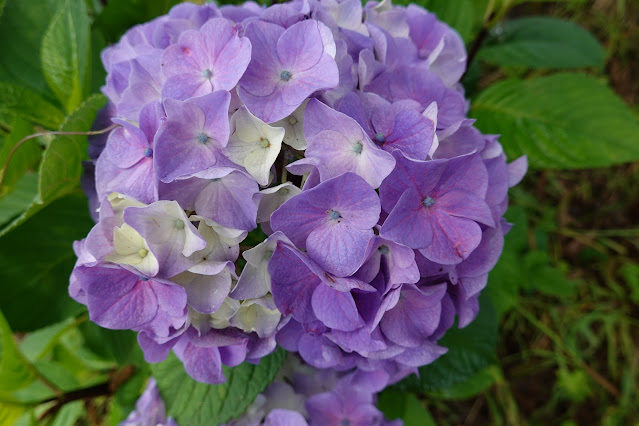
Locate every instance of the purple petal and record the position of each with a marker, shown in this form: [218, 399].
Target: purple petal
[335, 309]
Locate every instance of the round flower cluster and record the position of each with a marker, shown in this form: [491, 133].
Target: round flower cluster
[326, 141]
[299, 396]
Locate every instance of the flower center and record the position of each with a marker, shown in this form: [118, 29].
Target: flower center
[285, 75]
[357, 147]
[428, 201]
[143, 278]
[179, 224]
[142, 253]
[380, 137]
[264, 143]
[268, 255]
[202, 138]
[333, 214]
[148, 152]
[292, 120]
[383, 249]
[207, 73]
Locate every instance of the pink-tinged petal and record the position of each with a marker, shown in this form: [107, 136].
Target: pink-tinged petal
[229, 201]
[415, 317]
[292, 283]
[229, 55]
[454, 238]
[338, 247]
[409, 223]
[465, 204]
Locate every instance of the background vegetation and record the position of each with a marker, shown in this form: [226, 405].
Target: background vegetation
[557, 338]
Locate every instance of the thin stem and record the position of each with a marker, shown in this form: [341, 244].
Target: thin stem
[102, 389]
[5, 166]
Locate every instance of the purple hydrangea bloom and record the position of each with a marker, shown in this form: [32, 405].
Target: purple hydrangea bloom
[326, 143]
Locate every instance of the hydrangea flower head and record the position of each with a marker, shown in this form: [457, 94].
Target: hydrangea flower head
[302, 174]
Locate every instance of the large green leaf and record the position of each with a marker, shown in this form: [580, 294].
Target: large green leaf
[542, 42]
[470, 350]
[193, 403]
[22, 26]
[36, 260]
[65, 53]
[27, 104]
[15, 371]
[561, 121]
[62, 163]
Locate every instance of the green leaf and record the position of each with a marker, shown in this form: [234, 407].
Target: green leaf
[560, 121]
[22, 26]
[405, 406]
[470, 350]
[118, 345]
[542, 42]
[10, 413]
[36, 261]
[194, 403]
[69, 414]
[120, 15]
[15, 371]
[19, 199]
[29, 105]
[25, 158]
[65, 53]
[37, 344]
[471, 387]
[61, 166]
